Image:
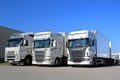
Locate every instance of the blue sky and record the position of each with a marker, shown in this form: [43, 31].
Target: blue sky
[63, 16]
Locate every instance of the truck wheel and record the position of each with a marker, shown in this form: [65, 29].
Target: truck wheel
[64, 61]
[57, 62]
[117, 62]
[94, 64]
[105, 62]
[28, 61]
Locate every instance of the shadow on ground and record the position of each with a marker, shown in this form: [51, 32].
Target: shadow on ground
[98, 66]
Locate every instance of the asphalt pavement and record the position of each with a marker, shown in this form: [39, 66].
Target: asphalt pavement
[9, 72]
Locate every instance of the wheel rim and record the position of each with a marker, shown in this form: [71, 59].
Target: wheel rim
[27, 61]
[57, 62]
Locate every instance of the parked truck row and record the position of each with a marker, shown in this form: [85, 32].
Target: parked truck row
[84, 47]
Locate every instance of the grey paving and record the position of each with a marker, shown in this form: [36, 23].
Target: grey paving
[59, 73]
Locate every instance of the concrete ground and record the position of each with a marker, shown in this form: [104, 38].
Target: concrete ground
[8, 72]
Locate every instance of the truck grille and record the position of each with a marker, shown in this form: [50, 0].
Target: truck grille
[11, 55]
[76, 56]
[39, 55]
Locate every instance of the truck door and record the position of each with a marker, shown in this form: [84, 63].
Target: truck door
[25, 49]
[54, 48]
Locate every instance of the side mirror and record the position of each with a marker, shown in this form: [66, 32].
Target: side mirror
[54, 43]
[93, 42]
[66, 44]
[88, 43]
[25, 43]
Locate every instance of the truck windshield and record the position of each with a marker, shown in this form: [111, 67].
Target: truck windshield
[14, 42]
[78, 43]
[42, 43]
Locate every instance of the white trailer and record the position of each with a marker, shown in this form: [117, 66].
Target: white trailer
[88, 48]
[49, 48]
[116, 57]
[19, 49]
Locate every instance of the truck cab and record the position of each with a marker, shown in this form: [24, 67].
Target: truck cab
[81, 48]
[47, 48]
[19, 49]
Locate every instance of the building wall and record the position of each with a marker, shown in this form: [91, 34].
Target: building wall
[5, 33]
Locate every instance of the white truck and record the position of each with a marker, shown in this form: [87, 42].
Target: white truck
[87, 47]
[49, 48]
[19, 49]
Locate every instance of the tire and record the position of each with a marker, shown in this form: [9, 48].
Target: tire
[117, 62]
[27, 61]
[94, 64]
[57, 62]
[105, 62]
[64, 61]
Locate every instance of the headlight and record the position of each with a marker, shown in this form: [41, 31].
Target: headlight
[87, 59]
[47, 59]
[15, 52]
